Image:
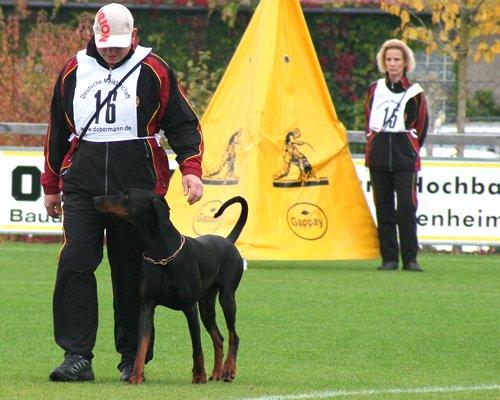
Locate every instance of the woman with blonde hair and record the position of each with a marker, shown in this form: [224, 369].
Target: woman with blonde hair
[396, 123]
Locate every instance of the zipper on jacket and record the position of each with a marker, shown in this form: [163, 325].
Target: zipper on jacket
[148, 157]
[106, 158]
[390, 151]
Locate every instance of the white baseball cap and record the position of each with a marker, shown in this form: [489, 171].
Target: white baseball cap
[113, 26]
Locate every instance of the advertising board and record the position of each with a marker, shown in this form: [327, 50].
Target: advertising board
[458, 198]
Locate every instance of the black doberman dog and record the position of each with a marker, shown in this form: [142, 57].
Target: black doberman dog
[183, 273]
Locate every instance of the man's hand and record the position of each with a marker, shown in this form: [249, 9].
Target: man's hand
[52, 203]
[193, 186]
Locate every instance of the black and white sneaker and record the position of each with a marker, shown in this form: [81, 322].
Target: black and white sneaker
[75, 368]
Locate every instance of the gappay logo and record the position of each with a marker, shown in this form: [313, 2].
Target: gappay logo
[307, 221]
[204, 222]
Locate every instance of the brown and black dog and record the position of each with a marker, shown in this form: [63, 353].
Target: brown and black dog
[183, 273]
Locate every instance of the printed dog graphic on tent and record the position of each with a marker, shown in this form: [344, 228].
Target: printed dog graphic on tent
[227, 162]
[292, 155]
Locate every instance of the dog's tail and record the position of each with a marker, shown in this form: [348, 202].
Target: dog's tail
[235, 233]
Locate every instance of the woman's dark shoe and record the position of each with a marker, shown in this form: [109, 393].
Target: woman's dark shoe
[413, 266]
[389, 266]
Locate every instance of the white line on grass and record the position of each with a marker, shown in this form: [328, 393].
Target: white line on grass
[367, 392]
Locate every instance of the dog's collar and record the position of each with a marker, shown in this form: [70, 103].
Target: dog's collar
[165, 261]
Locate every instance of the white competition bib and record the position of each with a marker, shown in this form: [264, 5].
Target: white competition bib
[117, 120]
[384, 115]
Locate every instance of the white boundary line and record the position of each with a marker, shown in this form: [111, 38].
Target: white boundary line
[367, 392]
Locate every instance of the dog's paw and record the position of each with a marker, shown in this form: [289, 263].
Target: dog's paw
[229, 376]
[216, 376]
[199, 376]
[136, 379]
[199, 379]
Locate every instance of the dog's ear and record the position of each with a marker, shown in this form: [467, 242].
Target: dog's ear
[162, 210]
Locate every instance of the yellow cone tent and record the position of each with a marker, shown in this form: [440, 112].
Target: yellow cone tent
[272, 136]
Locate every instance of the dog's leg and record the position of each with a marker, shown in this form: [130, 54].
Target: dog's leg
[230, 364]
[228, 304]
[218, 342]
[199, 374]
[144, 339]
[207, 312]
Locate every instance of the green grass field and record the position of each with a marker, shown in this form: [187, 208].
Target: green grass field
[308, 330]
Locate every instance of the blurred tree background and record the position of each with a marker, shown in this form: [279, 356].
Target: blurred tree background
[197, 43]
[198, 38]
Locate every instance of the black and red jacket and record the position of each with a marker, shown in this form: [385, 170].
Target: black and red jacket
[391, 151]
[111, 167]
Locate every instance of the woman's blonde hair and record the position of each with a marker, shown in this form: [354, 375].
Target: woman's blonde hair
[408, 57]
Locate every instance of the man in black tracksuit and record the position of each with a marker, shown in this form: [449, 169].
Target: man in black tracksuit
[103, 139]
[396, 126]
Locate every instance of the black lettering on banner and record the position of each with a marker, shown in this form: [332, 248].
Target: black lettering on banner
[17, 183]
[457, 186]
[16, 215]
[433, 187]
[451, 219]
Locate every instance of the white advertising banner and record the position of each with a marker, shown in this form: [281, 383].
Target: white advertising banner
[459, 200]
[22, 209]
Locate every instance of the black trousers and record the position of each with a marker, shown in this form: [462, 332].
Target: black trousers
[75, 303]
[392, 219]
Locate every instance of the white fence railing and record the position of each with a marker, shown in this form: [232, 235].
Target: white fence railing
[486, 139]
